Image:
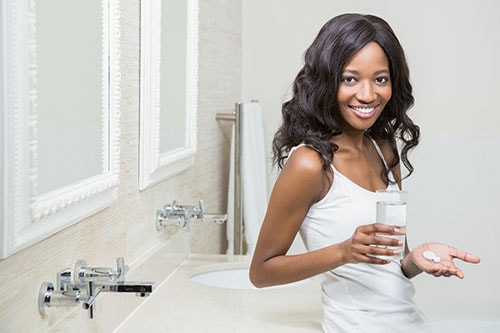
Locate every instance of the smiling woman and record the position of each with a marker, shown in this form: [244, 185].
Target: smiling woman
[365, 88]
[336, 147]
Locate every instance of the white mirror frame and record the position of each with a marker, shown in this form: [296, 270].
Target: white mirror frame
[29, 217]
[154, 165]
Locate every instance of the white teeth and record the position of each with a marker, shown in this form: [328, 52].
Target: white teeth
[363, 110]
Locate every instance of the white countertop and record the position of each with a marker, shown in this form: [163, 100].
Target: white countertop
[181, 305]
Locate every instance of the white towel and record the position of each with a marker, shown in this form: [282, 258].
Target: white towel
[253, 172]
[253, 177]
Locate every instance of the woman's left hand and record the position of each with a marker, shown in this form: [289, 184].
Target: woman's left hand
[445, 267]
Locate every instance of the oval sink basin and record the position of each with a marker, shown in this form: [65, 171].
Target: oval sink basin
[231, 278]
[236, 278]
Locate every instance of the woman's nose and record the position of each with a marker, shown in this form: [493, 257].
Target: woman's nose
[366, 92]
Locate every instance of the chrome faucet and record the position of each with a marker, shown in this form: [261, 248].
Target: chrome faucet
[94, 280]
[87, 283]
[184, 214]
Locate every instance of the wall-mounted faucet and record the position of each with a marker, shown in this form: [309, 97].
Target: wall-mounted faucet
[183, 214]
[83, 273]
[85, 283]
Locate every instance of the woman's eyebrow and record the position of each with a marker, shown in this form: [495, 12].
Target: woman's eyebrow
[355, 72]
[383, 71]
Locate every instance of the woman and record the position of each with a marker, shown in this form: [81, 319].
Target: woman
[337, 146]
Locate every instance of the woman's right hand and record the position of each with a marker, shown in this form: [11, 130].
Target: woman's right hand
[368, 241]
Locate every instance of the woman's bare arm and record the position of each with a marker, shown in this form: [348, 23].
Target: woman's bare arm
[301, 183]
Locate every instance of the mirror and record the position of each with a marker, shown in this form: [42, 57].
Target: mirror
[69, 101]
[61, 111]
[169, 69]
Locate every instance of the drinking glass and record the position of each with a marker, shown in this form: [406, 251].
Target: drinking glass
[391, 210]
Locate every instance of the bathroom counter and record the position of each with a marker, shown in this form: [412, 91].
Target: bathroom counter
[181, 305]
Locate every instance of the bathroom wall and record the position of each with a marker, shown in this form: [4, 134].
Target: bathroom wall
[452, 49]
[127, 228]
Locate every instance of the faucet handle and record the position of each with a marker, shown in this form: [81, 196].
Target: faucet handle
[121, 268]
[84, 273]
[201, 210]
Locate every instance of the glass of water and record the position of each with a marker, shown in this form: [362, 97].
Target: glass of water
[391, 210]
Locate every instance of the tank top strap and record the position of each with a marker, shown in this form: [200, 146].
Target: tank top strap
[306, 145]
[379, 151]
[298, 146]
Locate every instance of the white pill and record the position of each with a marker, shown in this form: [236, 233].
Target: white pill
[429, 255]
[436, 259]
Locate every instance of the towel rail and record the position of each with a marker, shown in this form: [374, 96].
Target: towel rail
[225, 116]
[238, 203]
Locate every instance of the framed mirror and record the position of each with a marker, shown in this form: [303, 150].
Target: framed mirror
[169, 81]
[61, 113]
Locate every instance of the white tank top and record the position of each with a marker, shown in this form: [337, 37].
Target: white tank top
[358, 297]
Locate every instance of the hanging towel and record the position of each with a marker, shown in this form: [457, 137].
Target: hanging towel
[253, 172]
[253, 177]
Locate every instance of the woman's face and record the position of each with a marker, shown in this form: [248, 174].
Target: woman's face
[365, 87]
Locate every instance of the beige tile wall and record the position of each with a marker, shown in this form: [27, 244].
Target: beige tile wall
[127, 227]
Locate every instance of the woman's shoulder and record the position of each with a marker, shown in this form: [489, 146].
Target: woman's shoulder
[305, 158]
[304, 170]
[305, 162]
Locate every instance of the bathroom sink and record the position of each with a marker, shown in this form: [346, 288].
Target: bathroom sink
[230, 277]
[236, 278]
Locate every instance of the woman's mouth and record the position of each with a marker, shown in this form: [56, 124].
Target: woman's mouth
[363, 112]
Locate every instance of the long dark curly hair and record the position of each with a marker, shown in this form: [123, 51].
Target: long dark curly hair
[311, 115]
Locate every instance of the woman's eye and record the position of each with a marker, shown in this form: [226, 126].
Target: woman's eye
[382, 79]
[348, 79]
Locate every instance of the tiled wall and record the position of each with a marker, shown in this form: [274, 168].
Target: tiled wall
[127, 229]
